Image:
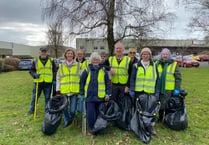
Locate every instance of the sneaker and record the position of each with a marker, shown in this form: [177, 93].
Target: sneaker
[30, 113]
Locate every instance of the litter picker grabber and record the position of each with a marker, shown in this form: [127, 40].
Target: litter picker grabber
[36, 100]
[84, 119]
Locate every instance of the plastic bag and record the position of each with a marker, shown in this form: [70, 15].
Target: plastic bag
[53, 117]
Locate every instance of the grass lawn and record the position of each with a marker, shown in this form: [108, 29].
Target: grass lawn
[17, 128]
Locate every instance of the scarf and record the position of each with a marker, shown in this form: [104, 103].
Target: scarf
[69, 64]
[164, 64]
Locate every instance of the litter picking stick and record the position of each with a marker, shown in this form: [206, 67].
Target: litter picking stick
[36, 100]
[84, 119]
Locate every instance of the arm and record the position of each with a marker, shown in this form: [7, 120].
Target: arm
[54, 70]
[133, 78]
[58, 80]
[82, 83]
[129, 73]
[33, 69]
[107, 83]
[157, 83]
[178, 79]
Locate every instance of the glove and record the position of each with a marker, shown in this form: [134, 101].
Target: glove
[131, 93]
[84, 98]
[107, 97]
[176, 92]
[54, 83]
[58, 93]
[157, 94]
[36, 76]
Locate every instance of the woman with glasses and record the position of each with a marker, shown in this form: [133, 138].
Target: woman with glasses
[132, 55]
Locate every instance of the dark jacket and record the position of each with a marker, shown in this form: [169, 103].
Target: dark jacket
[32, 71]
[133, 78]
[92, 92]
[135, 60]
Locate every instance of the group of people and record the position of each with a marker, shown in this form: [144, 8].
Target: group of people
[100, 79]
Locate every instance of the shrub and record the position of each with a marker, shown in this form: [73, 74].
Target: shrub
[12, 62]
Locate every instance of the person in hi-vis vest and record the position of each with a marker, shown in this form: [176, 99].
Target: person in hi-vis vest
[43, 70]
[94, 87]
[120, 67]
[170, 79]
[144, 78]
[68, 78]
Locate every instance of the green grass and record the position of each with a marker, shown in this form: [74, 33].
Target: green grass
[16, 128]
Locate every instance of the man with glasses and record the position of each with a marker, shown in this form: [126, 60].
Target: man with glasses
[132, 55]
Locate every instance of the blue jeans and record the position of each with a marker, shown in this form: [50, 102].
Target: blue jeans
[73, 105]
[46, 87]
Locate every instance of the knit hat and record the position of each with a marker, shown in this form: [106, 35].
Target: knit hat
[146, 49]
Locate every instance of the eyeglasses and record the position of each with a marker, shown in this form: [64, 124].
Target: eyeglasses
[132, 52]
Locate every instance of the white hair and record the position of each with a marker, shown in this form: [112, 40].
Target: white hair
[96, 56]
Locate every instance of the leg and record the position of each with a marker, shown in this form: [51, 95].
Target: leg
[32, 106]
[66, 116]
[161, 113]
[47, 92]
[114, 92]
[73, 106]
[91, 114]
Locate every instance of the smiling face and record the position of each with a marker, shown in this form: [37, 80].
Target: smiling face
[69, 55]
[119, 50]
[165, 55]
[80, 55]
[95, 62]
[43, 54]
[145, 56]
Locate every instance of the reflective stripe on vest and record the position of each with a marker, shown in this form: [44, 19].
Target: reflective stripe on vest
[170, 79]
[101, 83]
[85, 64]
[121, 70]
[69, 80]
[45, 71]
[145, 81]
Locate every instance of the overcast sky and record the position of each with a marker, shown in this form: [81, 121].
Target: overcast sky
[21, 22]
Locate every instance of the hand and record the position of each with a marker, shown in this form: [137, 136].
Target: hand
[58, 93]
[126, 89]
[112, 71]
[157, 94]
[107, 97]
[54, 83]
[132, 93]
[176, 92]
[36, 76]
[84, 98]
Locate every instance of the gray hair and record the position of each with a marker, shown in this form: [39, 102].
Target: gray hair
[96, 56]
[169, 53]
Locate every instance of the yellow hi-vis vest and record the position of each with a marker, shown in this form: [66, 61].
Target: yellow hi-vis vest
[45, 71]
[101, 83]
[170, 79]
[85, 65]
[145, 81]
[121, 70]
[69, 80]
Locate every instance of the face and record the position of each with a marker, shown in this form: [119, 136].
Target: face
[145, 56]
[79, 54]
[69, 56]
[119, 50]
[103, 58]
[43, 54]
[95, 62]
[132, 54]
[165, 55]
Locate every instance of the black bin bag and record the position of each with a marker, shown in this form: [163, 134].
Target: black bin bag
[147, 106]
[108, 111]
[176, 115]
[125, 104]
[53, 117]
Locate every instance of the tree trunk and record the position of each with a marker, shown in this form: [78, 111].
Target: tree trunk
[110, 34]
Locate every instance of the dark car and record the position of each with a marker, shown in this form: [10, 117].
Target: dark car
[25, 64]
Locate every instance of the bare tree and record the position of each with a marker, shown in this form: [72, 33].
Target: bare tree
[199, 21]
[112, 19]
[55, 37]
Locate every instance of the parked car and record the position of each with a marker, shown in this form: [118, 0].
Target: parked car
[195, 57]
[187, 61]
[204, 57]
[25, 64]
